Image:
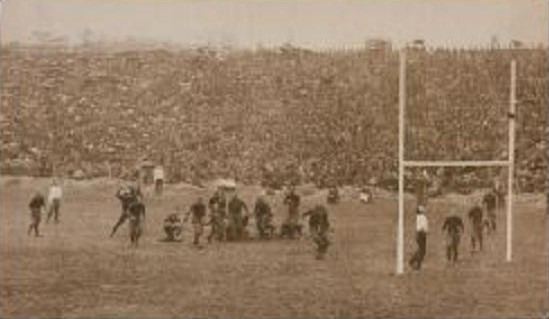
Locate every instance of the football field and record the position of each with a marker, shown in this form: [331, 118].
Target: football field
[76, 270]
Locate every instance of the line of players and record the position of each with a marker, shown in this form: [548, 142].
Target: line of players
[228, 218]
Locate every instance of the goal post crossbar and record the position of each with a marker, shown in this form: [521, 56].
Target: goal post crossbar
[455, 163]
[403, 163]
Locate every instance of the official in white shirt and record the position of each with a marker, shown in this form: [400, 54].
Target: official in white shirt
[422, 227]
[54, 201]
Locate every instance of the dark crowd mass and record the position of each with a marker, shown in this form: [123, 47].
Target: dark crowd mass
[267, 116]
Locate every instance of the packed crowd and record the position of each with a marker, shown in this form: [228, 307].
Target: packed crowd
[265, 116]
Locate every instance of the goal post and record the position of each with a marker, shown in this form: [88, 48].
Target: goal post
[403, 163]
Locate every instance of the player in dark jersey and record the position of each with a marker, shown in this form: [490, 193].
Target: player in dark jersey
[490, 202]
[36, 205]
[236, 218]
[475, 217]
[453, 226]
[218, 212]
[291, 226]
[318, 228]
[197, 212]
[136, 215]
[263, 218]
[127, 195]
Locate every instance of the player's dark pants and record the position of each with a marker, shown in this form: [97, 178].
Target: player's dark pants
[217, 229]
[172, 232]
[321, 240]
[492, 219]
[159, 186]
[452, 247]
[476, 236]
[198, 230]
[235, 227]
[54, 210]
[35, 221]
[264, 227]
[291, 227]
[419, 255]
[136, 229]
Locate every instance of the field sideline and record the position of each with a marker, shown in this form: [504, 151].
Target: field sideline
[76, 270]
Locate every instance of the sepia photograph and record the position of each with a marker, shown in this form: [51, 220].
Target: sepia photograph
[274, 159]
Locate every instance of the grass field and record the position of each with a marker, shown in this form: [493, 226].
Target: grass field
[76, 270]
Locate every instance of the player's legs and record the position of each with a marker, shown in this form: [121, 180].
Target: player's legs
[37, 220]
[50, 213]
[197, 227]
[473, 241]
[455, 247]
[135, 231]
[492, 216]
[55, 207]
[120, 221]
[422, 241]
[159, 186]
[32, 223]
[213, 230]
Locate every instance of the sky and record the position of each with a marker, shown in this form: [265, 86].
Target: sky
[306, 23]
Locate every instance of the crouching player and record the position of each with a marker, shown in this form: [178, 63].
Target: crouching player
[318, 228]
[173, 227]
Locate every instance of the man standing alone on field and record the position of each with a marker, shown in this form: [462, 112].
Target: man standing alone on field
[422, 227]
[36, 205]
[54, 201]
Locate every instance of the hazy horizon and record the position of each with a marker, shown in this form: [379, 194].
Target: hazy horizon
[305, 23]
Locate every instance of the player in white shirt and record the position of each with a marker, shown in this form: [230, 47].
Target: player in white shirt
[54, 201]
[158, 176]
[422, 227]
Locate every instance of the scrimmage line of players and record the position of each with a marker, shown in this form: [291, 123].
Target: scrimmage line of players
[229, 218]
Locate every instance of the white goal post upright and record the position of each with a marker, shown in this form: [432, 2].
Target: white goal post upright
[403, 163]
[401, 112]
[511, 154]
